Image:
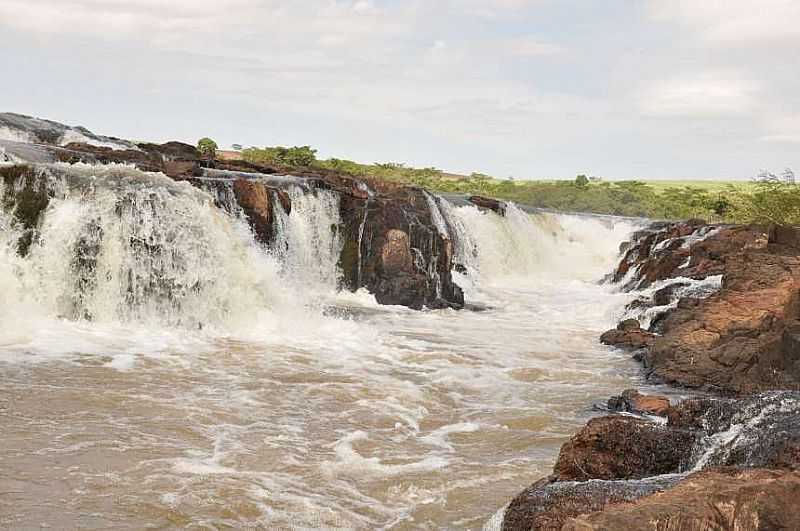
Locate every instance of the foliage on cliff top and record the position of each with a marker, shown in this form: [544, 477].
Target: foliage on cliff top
[766, 199]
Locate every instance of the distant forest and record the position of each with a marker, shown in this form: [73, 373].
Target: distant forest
[768, 198]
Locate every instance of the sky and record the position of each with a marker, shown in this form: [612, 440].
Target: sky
[652, 89]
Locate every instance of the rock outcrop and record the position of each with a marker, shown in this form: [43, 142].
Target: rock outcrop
[739, 339]
[720, 309]
[498, 207]
[715, 462]
[628, 335]
[395, 242]
[746, 500]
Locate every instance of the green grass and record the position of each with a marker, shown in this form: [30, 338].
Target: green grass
[706, 185]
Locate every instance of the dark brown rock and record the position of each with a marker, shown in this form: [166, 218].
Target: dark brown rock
[257, 201]
[622, 448]
[498, 207]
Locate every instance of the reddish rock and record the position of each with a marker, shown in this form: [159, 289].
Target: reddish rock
[739, 340]
[628, 335]
[257, 201]
[745, 500]
[396, 253]
[619, 447]
[633, 401]
[547, 505]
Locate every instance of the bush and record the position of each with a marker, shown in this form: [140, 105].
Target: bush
[207, 147]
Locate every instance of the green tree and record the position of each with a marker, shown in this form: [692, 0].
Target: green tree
[207, 147]
[582, 181]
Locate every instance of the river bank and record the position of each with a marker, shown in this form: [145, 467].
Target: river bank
[717, 311]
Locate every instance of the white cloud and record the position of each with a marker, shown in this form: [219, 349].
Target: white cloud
[735, 22]
[700, 97]
[782, 128]
[530, 47]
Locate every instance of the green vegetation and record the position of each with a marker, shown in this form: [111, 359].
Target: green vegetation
[768, 198]
[207, 147]
[290, 156]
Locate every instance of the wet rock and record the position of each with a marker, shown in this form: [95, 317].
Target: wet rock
[715, 499]
[741, 339]
[665, 295]
[258, 200]
[396, 253]
[498, 207]
[30, 129]
[546, 505]
[633, 401]
[26, 194]
[757, 431]
[589, 477]
[628, 335]
[619, 447]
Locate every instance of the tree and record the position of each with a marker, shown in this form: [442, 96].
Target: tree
[581, 181]
[207, 147]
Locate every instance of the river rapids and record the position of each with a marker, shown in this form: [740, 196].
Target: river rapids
[160, 369]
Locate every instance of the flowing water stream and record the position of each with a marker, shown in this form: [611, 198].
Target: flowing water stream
[161, 370]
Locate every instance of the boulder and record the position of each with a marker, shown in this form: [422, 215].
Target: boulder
[618, 447]
[746, 500]
[614, 464]
[257, 200]
[628, 335]
[633, 401]
[547, 505]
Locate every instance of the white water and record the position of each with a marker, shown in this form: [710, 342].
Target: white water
[210, 389]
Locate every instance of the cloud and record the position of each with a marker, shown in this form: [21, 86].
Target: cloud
[734, 22]
[700, 97]
[518, 85]
[531, 47]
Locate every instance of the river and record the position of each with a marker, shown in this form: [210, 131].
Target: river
[197, 380]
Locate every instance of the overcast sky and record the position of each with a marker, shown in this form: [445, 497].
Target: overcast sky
[522, 88]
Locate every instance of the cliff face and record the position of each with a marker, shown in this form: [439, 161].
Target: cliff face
[393, 243]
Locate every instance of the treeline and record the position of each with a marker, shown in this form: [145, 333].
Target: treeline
[768, 199]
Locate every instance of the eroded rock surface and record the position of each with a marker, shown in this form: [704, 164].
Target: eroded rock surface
[741, 338]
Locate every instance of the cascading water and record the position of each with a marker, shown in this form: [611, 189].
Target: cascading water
[161, 368]
[118, 245]
[307, 241]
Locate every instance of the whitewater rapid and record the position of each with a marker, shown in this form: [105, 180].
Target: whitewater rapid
[199, 379]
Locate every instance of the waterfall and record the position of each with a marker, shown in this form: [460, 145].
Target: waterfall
[307, 240]
[493, 248]
[363, 187]
[116, 244]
